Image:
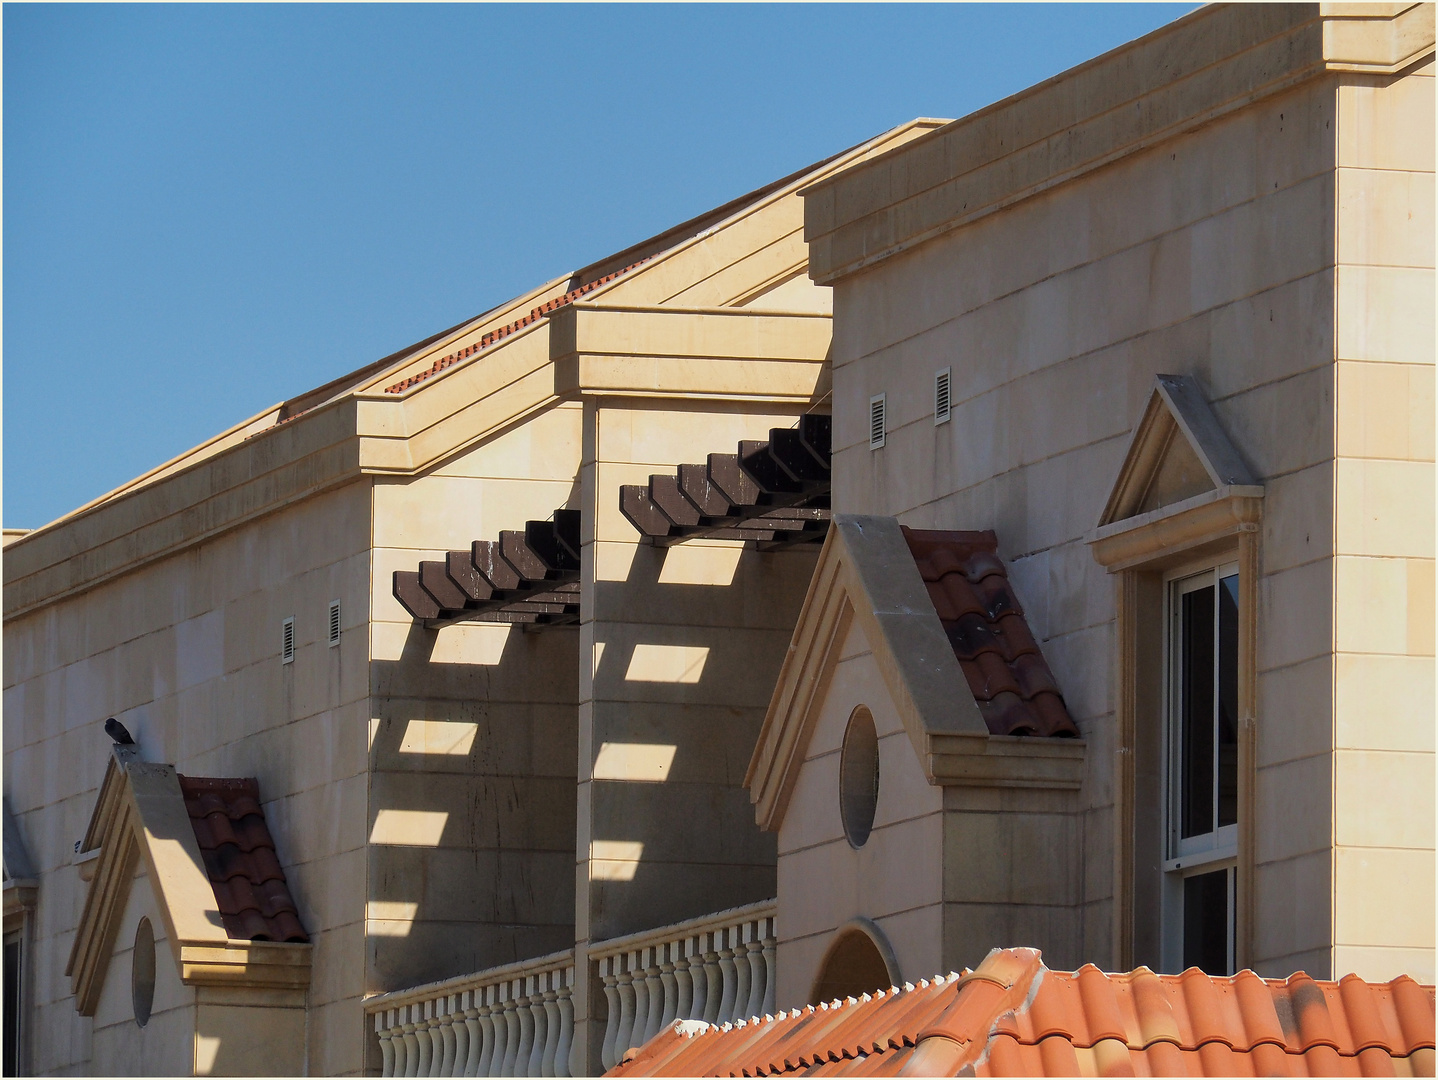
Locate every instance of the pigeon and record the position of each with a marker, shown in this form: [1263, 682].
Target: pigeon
[116, 731]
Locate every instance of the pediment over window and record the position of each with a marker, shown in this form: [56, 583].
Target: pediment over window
[1182, 484]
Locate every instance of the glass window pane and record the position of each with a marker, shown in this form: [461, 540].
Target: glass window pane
[1195, 767]
[1228, 700]
[1206, 922]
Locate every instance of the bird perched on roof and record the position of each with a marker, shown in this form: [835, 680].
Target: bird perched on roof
[116, 731]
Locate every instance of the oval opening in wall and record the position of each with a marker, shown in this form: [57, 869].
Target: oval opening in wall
[859, 777]
[142, 972]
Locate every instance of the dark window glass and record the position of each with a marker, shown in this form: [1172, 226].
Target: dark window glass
[12, 1008]
[1228, 700]
[1206, 922]
[1196, 715]
[859, 777]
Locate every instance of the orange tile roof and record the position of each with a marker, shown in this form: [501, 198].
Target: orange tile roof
[1014, 1017]
[969, 585]
[240, 861]
[504, 331]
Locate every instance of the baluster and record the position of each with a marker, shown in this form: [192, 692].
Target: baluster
[755, 957]
[656, 995]
[565, 1006]
[738, 939]
[637, 967]
[551, 1024]
[511, 1030]
[446, 1037]
[538, 1017]
[670, 983]
[492, 1063]
[726, 968]
[403, 1059]
[611, 1023]
[423, 1045]
[526, 1027]
[683, 980]
[769, 973]
[628, 1004]
[475, 1044]
[411, 1041]
[386, 1048]
[713, 978]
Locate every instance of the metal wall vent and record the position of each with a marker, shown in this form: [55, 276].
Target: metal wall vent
[941, 395]
[287, 641]
[334, 622]
[876, 421]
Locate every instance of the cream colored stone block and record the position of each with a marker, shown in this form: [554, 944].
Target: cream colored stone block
[450, 512]
[1295, 808]
[1384, 508]
[1386, 125]
[1385, 411]
[1365, 815]
[663, 437]
[1385, 218]
[1385, 314]
[1298, 518]
[1384, 605]
[1376, 964]
[813, 814]
[545, 447]
[1296, 710]
[1294, 904]
[233, 1040]
[1299, 606]
[1367, 907]
[1383, 702]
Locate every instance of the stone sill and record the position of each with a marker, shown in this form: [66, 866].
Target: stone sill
[1006, 761]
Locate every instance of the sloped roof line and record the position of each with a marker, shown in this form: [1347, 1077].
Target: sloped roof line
[505, 331]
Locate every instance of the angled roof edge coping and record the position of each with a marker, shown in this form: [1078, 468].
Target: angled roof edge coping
[272, 467]
[140, 814]
[866, 573]
[1204, 65]
[1127, 534]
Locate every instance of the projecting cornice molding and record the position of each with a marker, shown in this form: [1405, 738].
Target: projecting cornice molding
[1182, 484]
[1215, 61]
[866, 573]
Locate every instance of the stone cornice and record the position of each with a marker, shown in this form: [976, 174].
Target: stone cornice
[1203, 66]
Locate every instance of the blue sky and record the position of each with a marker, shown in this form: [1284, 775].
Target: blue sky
[208, 209]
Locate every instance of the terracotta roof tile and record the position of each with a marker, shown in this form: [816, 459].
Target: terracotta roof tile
[240, 860]
[969, 585]
[505, 331]
[1014, 1017]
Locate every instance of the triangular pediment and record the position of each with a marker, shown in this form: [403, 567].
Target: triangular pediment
[866, 574]
[1179, 451]
[140, 815]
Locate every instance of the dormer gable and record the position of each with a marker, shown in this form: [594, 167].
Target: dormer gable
[886, 580]
[193, 860]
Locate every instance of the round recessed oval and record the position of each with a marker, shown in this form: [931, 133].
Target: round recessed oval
[859, 777]
[142, 972]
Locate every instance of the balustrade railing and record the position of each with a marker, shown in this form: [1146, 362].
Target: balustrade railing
[516, 1020]
[716, 968]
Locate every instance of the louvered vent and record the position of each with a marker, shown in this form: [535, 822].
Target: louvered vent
[287, 641]
[334, 622]
[876, 421]
[941, 395]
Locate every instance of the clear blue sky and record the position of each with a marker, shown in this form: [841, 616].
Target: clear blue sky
[209, 209]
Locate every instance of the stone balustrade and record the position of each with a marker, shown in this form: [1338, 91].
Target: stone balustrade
[716, 968]
[516, 1020]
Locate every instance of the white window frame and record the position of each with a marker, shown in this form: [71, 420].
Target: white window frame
[1207, 852]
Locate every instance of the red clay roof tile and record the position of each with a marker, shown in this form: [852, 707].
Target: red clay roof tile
[240, 860]
[1005, 669]
[1073, 1023]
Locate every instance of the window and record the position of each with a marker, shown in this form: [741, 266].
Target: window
[859, 777]
[876, 421]
[941, 395]
[1201, 748]
[334, 622]
[287, 641]
[13, 990]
